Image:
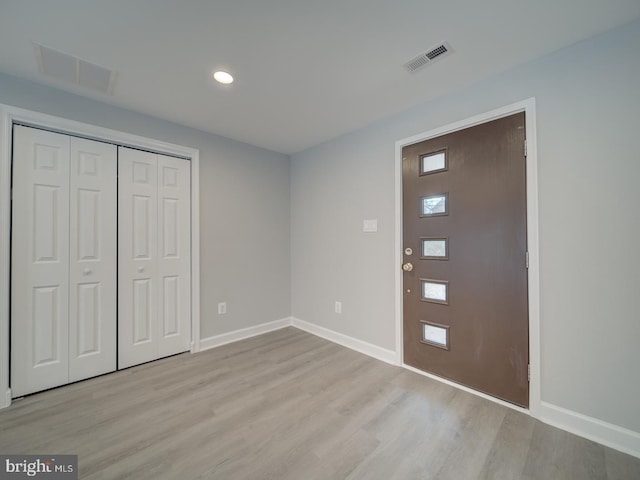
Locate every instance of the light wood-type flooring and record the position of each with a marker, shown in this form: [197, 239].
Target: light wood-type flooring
[289, 405]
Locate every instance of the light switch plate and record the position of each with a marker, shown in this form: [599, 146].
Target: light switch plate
[370, 225]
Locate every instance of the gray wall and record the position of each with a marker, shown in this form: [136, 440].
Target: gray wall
[588, 105]
[244, 207]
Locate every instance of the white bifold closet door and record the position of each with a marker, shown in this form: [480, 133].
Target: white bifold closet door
[63, 271]
[154, 281]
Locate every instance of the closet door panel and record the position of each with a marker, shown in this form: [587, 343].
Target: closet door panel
[174, 259]
[137, 257]
[93, 254]
[40, 261]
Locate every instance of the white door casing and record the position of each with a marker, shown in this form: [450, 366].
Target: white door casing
[92, 262]
[154, 256]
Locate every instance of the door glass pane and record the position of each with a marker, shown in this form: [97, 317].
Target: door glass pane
[436, 335]
[434, 248]
[435, 205]
[434, 162]
[434, 291]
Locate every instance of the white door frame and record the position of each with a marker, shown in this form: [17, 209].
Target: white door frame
[10, 115]
[529, 107]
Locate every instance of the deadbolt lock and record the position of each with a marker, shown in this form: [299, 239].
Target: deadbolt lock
[407, 267]
[408, 251]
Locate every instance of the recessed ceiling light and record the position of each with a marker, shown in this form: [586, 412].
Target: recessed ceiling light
[223, 77]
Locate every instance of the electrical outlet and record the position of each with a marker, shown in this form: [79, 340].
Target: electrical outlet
[222, 308]
[338, 307]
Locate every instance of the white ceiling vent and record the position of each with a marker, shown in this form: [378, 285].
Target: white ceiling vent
[428, 57]
[73, 70]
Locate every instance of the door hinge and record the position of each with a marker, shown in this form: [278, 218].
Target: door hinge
[526, 259]
[525, 148]
[529, 372]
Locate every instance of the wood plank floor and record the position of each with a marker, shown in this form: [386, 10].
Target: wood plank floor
[289, 405]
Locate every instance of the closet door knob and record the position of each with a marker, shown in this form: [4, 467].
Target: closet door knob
[140, 269]
[87, 271]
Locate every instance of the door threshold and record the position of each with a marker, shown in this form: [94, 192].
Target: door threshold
[499, 401]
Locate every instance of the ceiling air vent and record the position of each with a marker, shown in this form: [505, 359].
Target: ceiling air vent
[428, 57]
[70, 69]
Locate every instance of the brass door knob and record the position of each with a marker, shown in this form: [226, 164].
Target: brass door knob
[407, 267]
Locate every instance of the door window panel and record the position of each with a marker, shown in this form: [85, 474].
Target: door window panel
[436, 335]
[435, 205]
[435, 248]
[435, 291]
[433, 163]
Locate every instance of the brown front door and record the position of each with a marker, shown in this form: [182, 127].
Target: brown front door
[465, 243]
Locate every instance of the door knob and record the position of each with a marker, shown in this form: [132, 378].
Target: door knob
[407, 267]
[140, 269]
[87, 271]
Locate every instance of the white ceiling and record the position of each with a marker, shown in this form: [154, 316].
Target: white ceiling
[306, 70]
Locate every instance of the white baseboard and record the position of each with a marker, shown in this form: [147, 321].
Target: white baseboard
[607, 434]
[223, 339]
[6, 399]
[374, 351]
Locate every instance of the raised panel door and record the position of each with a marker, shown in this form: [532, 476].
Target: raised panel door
[93, 254]
[137, 257]
[40, 261]
[154, 256]
[174, 259]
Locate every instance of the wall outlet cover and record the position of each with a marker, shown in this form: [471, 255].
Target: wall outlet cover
[370, 225]
[222, 308]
